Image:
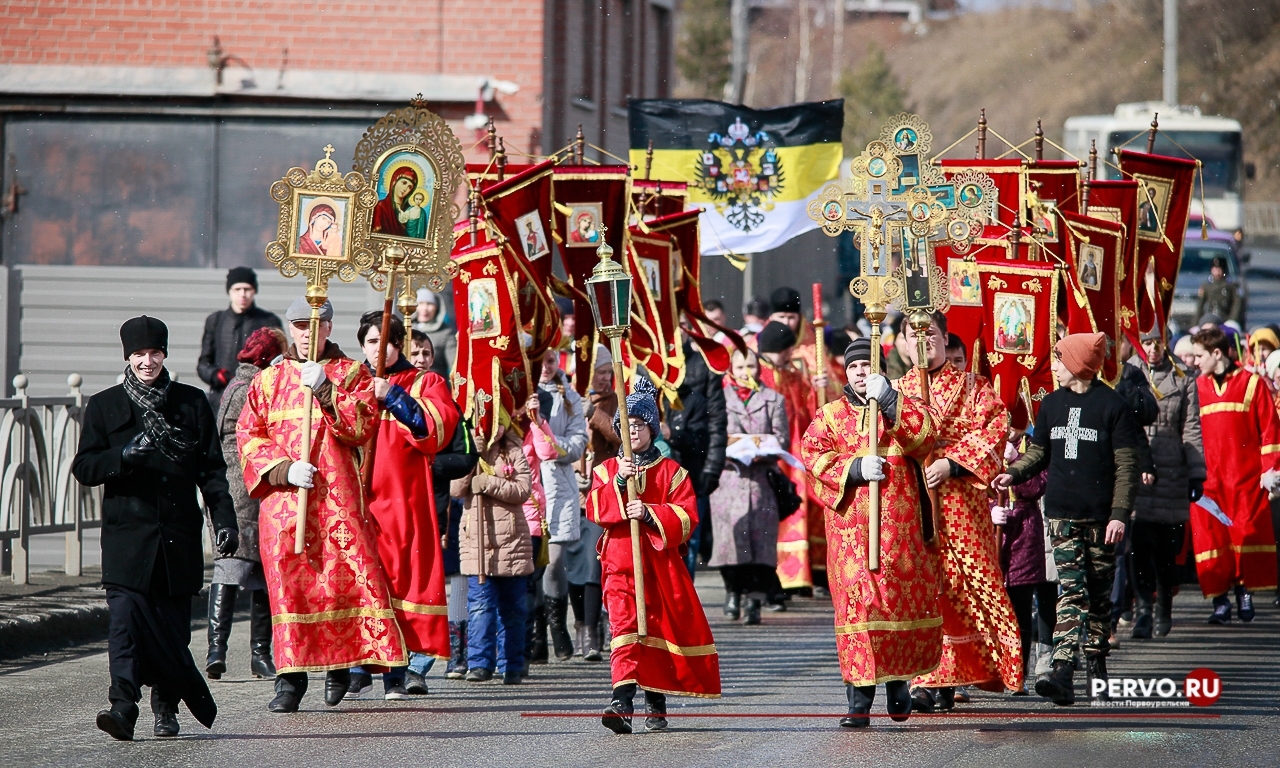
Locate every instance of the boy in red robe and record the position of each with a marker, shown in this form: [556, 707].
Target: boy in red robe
[678, 655]
[1241, 434]
[417, 422]
[888, 622]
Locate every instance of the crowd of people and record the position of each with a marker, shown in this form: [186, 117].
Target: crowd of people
[375, 531]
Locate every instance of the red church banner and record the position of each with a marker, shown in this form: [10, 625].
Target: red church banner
[1117, 201]
[1018, 330]
[1095, 254]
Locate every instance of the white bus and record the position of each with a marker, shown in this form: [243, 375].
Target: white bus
[1214, 141]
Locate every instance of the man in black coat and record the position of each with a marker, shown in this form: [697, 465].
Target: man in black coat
[225, 332]
[151, 443]
[699, 434]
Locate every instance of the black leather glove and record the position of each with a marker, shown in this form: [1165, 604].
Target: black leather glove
[710, 482]
[1197, 489]
[137, 450]
[226, 541]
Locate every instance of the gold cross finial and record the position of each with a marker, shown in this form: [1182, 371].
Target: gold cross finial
[328, 150]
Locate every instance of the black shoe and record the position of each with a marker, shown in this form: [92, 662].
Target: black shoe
[289, 691]
[591, 648]
[359, 684]
[337, 683]
[394, 690]
[557, 617]
[222, 606]
[479, 675]
[617, 716]
[922, 700]
[166, 725]
[260, 662]
[1244, 604]
[415, 684]
[1143, 623]
[1163, 616]
[898, 693]
[751, 613]
[537, 650]
[655, 709]
[1221, 610]
[946, 698]
[733, 605]
[511, 678]
[1097, 666]
[860, 699]
[118, 721]
[1057, 685]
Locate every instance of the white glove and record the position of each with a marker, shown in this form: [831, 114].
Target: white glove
[999, 515]
[873, 466]
[879, 388]
[300, 474]
[312, 374]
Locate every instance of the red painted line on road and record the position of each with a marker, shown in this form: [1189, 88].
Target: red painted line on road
[916, 715]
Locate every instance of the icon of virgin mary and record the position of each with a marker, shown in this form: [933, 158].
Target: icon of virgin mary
[392, 211]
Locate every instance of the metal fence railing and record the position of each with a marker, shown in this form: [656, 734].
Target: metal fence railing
[38, 495]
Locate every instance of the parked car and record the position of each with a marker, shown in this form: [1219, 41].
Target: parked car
[1197, 257]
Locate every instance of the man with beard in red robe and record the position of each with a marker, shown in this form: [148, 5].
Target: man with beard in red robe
[416, 422]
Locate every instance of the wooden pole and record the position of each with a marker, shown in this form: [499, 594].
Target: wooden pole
[982, 134]
[500, 160]
[1151, 134]
[316, 298]
[875, 315]
[920, 322]
[1091, 173]
[1039, 140]
[648, 161]
[637, 562]
[379, 371]
[819, 342]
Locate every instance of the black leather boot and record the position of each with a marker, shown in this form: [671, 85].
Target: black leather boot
[290, 688]
[336, 683]
[1057, 685]
[1163, 614]
[260, 662]
[617, 716]
[557, 616]
[538, 651]
[751, 612]
[733, 605]
[166, 716]
[1097, 670]
[898, 695]
[655, 709]
[1143, 620]
[118, 721]
[222, 607]
[860, 698]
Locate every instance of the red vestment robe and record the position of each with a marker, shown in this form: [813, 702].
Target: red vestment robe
[980, 644]
[402, 502]
[330, 607]
[798, 554]
[1241, 434]
[888, 622]
[678, 655]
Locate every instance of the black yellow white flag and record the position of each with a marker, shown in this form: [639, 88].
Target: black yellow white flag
[754, 171]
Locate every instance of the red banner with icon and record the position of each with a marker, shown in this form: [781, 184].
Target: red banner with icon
[1117, 201]
[1095, 257]
[1018, 332]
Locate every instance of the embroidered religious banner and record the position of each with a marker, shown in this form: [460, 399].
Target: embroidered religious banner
[654, 336]
[1165, 186]
[686, 262]
[1052, 188]
[485, 175]
[653, 198]
[491, 373]
[519, 207]
[1018, 330]
[964, 288]
[1010, 186]
[1095, 248]
[754, 171]
[589, 202]
[1117, 201]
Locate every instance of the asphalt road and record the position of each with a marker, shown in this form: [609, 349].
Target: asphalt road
[782, 697]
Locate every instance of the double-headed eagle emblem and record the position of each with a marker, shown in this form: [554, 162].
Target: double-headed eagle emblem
[741, 171]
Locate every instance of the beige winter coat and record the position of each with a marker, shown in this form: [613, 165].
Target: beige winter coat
[496, 500]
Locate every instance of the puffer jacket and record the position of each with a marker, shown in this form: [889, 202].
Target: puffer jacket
[566, 421]
[1176, 447]
[494, 512]
[699, 430]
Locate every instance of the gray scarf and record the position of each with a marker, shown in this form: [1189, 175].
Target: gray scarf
[151, 399]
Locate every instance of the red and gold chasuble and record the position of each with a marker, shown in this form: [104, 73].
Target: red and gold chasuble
[888, 622]
[678, 655]
[1241, 441]
[330, 607]
[980, 644]
[796, 557]
[402, 503]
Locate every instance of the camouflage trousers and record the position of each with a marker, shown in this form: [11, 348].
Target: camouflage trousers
[1086, 570]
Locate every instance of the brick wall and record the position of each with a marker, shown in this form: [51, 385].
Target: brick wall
[502, 38]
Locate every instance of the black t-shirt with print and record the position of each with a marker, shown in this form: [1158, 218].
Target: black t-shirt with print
[1080, 432]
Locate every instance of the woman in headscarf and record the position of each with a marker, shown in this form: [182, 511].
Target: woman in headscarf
[744, 508]
[242, 569]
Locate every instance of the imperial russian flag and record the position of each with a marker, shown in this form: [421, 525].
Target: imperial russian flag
[754, 171]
